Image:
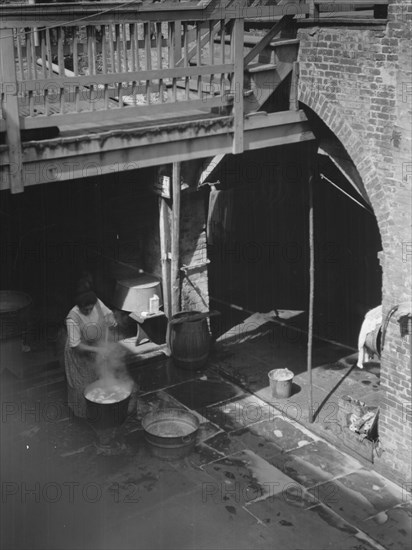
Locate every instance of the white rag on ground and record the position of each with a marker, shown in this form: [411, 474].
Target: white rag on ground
[372, 319]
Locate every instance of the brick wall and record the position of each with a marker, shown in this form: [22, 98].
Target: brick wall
[359, 81]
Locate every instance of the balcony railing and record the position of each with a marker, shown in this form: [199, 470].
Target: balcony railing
[94, 65]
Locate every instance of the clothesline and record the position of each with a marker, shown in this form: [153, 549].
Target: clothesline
[323, 177]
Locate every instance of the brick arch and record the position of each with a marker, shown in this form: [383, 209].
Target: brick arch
[330, 115]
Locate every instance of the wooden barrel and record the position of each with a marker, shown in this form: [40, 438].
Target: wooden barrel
[189, 340]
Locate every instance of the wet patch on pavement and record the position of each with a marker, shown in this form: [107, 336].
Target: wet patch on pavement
[246, 477]
[316, 462]
[199, 394]
[358, 496]
[160, 375]
[240, 413]
[392, 528]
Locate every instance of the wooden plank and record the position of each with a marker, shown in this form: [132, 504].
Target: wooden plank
[172, 52]
[118, 49]
[154, 154]
[238, 81]
[93, 80]
[165, 232]
[293, 92]
[32, 16]
[175, 248]
[118, 115]
[165, 132]
[347, 3]
[186, 57]
[118, 140]
[178, 40]
[159, 58]
[111, 48]
[272, 120]
[19, 54]
[267, 39]
[148, 64]
[11, 110]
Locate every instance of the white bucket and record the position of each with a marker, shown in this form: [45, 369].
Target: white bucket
[281, 382]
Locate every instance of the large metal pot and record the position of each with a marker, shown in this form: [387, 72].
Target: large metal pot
[170, 432]
[106, 415]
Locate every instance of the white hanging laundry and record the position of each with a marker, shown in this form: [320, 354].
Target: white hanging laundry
[372, 319]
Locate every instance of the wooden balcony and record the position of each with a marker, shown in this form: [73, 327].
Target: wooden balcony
[92, 88]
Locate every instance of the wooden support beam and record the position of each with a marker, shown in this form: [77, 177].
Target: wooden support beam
[11, 109]
[238, 83]
[293, 93]
[165, 232]
[267, 39]
[175, 271]
[311, 297]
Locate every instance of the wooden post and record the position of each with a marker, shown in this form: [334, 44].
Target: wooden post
[164, 227]
[8, 78]
[175, 271]
[238, 82]
[311, 297]
[293, 94]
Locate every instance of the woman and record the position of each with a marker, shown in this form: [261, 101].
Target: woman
[87, 335]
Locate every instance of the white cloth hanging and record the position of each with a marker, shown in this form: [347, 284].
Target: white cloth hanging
[372, 320]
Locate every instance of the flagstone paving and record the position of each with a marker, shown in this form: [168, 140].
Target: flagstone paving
[255, 479]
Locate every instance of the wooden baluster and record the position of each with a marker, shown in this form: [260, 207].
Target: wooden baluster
[199, 58]
[178, 40]
[42, 34]
[159, 57]
[186, 57]
[104, 68]
[119, 62]
[76, 71]
[222, 54]
[43, 52]
[238, 78]
[28, 55]
[118, 49]
[111, 48]
[19, 53]
[125, 59]
[10, 107]
[49, 53]
[136, 34]
[148, 58]
[132, 34]
[91, 62]
[29, 70]
[33, 52]
[172, 51]
[211, 54]
[60, 61]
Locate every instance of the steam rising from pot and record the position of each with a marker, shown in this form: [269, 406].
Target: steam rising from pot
[113, 378]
